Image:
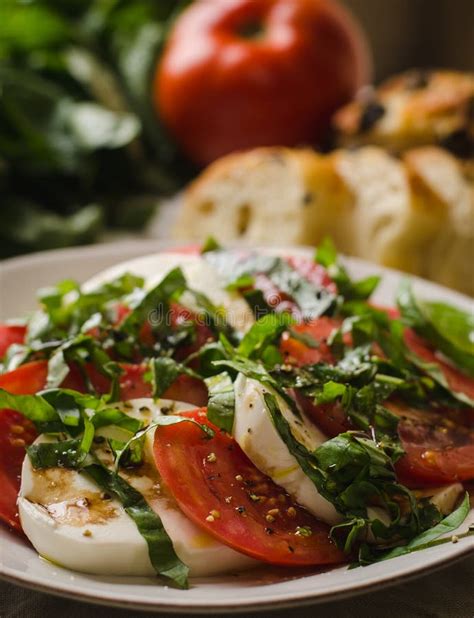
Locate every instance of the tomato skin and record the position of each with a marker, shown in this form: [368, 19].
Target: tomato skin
[218, 90]
[296, 352]
[456, 379]
[329, 417]
[10, 334]
[15, 433]
[202, 485]
[439, 446]
[27, 379]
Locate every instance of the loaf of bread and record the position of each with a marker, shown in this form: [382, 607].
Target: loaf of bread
[415, 213]
[417, 108]
[261, 197]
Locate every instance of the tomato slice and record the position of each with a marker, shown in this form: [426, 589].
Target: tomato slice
[329, 417]
[219, 488]
[27, 379]
[16, 433]
[10, 334]
[134, 386]
[187, 389]
[439, 447]
[458, 381]
[298, 353]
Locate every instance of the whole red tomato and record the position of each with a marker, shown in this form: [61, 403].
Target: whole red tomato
[242, 73]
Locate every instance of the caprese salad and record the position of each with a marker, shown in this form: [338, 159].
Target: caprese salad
[196, 412]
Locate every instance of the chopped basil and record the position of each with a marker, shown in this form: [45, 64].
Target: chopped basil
[265, 331]
[153, 305]
[355, 474]
[160, 548]
[326, 255]
[164, 371]
[61, 454]
[426, 539]
[210, 244]
[447, 328]
[221, 404]
[33, 407]
[233, 266]
[113, 416]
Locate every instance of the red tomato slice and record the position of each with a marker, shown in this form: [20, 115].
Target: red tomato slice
[457, 381]
[10, 334]
[298, 353]
[439, 447]
[329, 417]
[133, 384]
[187, 389]
[27, 379]
[15, 434]
[219, 488]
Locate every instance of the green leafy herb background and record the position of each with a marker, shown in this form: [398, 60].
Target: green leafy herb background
[81, 148]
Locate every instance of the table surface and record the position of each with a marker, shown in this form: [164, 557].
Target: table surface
[447, 593]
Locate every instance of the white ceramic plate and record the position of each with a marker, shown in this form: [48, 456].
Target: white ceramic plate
[265, 588]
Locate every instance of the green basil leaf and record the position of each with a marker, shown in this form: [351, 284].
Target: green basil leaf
[450, 523]
[448, 329]
[312, 300]
[154, 304]
[221, 404]
[326, 255]
[62, 454]
[165, 371]
[113, 416]
[210, 244]
[33, 407]
[265, 331]
[160, 548]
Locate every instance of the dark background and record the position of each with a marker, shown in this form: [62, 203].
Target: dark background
[417, 33]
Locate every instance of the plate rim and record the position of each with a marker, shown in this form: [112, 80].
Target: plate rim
[297, 600]
[123, 250]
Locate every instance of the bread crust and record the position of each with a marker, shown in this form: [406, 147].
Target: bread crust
[413, 109]
[415, 213]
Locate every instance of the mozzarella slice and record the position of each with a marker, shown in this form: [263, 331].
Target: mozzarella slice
[200, 276]
[254, 431]
[71, 522]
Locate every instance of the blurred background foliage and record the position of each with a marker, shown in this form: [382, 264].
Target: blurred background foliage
[81, 148]
[80, 145]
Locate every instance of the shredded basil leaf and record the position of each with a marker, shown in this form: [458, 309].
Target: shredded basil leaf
[33, 407]
[160, 548]
[448, 329]
[165, 371]
[326, 255]
[221, 404]
[313, 301]
[424, 540]
[265, 331]
[153, 305]
[61, 454]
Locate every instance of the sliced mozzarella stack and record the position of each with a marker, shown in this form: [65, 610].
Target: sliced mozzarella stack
[257, 436]
[71, 522]
[200, 275]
